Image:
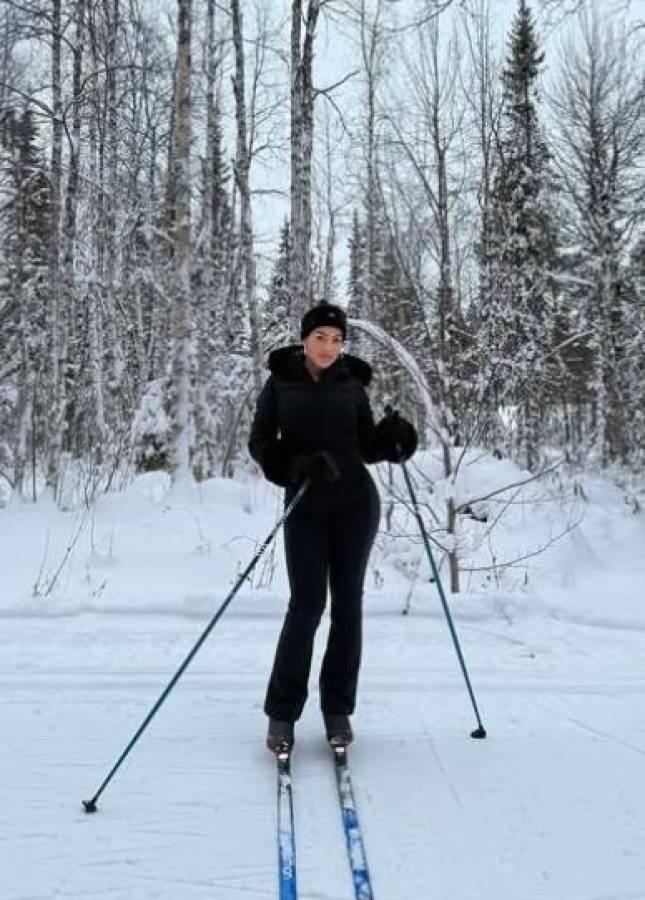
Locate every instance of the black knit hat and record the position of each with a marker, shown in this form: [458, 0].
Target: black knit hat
[323, 313]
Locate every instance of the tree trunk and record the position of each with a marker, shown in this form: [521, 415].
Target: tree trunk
[302, 129]
[56, 377]
[372, 49]
[181, 412]
[114, 363]
[242, 169]
[25, 376]
[206, 250]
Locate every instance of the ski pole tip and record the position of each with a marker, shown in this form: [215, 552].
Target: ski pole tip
[479, 733]
[89, 806]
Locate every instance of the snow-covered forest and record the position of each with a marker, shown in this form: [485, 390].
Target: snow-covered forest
[179, 183]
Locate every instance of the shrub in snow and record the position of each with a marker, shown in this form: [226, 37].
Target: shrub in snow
[150, 430]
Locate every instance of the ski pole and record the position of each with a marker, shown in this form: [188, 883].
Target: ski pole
[90, 805]
[480, 731]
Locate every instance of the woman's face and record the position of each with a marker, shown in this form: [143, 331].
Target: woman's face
[323, 345]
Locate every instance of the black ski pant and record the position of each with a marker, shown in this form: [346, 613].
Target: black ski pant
[328, 538]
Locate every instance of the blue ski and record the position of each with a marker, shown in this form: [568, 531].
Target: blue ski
[353, 836]
[286, 831]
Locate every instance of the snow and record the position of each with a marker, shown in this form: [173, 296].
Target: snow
[549, 807]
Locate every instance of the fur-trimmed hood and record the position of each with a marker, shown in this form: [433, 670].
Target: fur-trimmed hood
[298, 416]
[289, 363]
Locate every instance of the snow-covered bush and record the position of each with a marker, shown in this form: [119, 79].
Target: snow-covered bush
[151, 430]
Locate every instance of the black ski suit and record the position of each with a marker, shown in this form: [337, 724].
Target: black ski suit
[330, 533]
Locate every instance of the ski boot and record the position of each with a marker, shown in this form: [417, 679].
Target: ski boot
[338, 729]
[280, 737]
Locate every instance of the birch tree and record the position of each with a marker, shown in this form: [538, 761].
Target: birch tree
[118, 388]
[182, 355]
[433, 149]
[207, 266]
[369, 221]
[85, 421]
[303, 33]
[242, 169]
[56, 326]
[483, 105]
[373, 38]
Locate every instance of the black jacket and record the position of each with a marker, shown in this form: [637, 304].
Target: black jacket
[296, 415]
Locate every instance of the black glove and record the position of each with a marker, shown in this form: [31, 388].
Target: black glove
[397, 437]
[319, 466]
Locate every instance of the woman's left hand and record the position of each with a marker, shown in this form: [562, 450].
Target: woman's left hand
[397, 436]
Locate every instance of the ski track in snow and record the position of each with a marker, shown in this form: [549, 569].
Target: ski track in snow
[548, 808]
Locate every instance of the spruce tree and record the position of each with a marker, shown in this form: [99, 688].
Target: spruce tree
[23, 282]
[358, 283]
[598, 110]
[634, 357]
[519, 248]
[276, 312]
[395, 310]
[222, 216]
[217, 362]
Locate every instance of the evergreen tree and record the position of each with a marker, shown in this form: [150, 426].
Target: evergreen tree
[212, 274]
[358, 290]
[395, 309]
[23, 284]
[634, 357]
[519, 248]
[276, 311]
[396, 315]
[569, 394]
[221, 216]
[600, 130]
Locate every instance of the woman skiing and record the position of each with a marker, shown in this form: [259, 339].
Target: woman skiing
[313, 419]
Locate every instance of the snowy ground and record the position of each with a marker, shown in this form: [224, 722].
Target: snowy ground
[550, 807]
